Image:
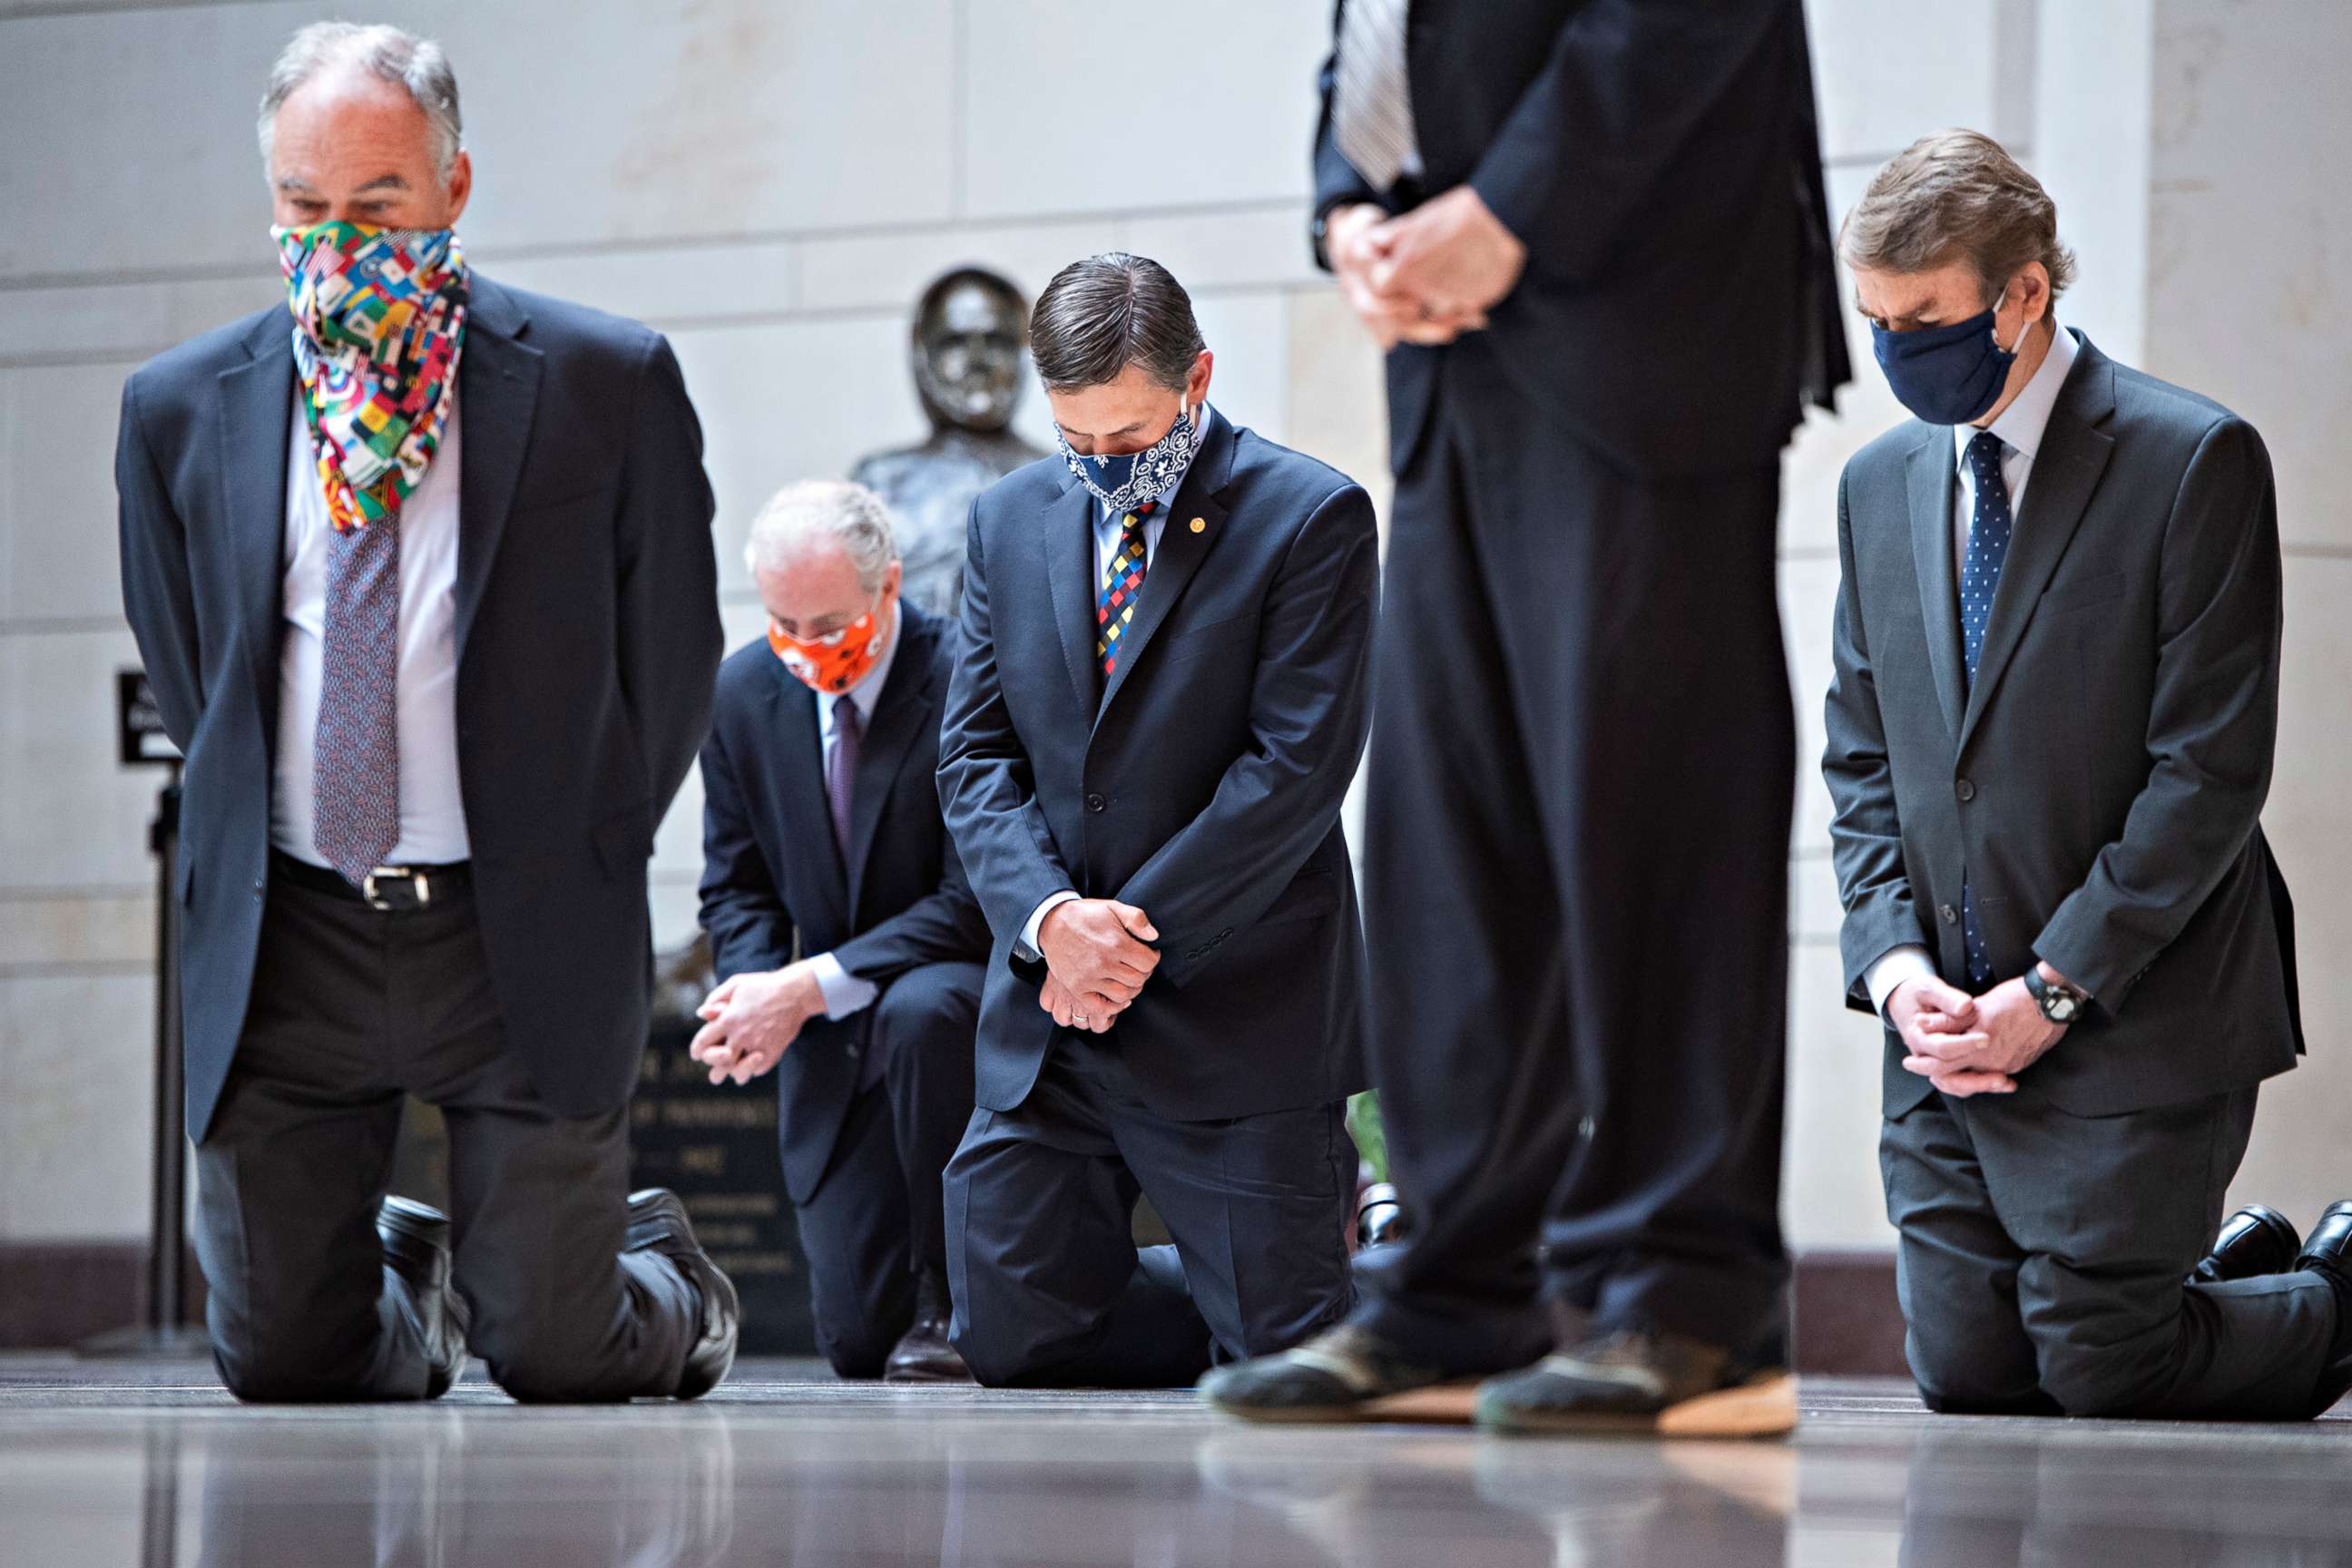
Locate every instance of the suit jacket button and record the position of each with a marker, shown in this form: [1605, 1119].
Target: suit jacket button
[1951, 916]
[1965, 790]
[1096, 802]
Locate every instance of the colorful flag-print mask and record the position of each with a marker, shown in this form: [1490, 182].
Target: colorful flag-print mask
[379, 319]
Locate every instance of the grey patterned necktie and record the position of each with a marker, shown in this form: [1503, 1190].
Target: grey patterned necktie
[1371, 108]
[355, 774]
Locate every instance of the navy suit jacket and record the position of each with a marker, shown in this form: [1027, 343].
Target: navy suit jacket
[1202, 785]
[2099, 787]
[587, 625]
[772, 869]
[1661, 161]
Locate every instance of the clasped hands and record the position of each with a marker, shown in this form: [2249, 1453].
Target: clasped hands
[1968, 1045]
[1426, 276]
[1098, 956]
[750, 1020]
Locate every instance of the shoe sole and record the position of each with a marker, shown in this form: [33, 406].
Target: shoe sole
[1434, 1403]
[1764, 1406]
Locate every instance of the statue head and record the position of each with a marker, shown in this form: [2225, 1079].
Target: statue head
[968, 335]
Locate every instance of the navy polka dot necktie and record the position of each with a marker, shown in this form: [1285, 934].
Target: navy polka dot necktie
[1989, 529]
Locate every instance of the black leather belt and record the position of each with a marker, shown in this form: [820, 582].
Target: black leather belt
[396, 889]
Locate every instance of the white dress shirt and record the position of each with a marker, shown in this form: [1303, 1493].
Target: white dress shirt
[1106, 529]
[432, 809]
[2019, 428]
[844, 992]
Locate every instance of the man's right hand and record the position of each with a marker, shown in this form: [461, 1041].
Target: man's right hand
[1096, 949]
[1926, 1006]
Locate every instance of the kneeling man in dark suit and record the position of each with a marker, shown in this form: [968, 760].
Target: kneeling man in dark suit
[2050, 736]
[846, 940]
[1156, 713]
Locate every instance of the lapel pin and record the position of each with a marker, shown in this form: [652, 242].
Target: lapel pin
[1200, 524]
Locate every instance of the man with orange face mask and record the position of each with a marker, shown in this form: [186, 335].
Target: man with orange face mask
[846, 940]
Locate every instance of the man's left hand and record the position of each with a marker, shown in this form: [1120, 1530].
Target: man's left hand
[2014, 1036]
[751, 1018]
[1451, 254]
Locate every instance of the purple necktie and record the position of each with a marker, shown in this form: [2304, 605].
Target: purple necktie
[841, 769]
[355, 776]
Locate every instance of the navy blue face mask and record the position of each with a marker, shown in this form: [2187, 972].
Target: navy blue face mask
[1946, 376]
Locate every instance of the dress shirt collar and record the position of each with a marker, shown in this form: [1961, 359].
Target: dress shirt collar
[2020, 424]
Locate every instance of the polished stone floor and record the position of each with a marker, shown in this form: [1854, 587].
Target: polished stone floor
[111, 1464]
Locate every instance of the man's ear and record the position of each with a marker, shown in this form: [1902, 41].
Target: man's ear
[1196, 384]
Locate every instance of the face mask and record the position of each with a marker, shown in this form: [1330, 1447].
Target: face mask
[837, 661]
[1126, 481]
[1946, 376]
[380, 321]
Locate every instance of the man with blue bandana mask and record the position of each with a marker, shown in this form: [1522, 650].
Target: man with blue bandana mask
[421, 569]
[2049, 741]
[1157, 710]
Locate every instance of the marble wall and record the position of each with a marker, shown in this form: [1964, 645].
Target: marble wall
[771, 183]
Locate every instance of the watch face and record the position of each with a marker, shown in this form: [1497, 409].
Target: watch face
[2061, 1008]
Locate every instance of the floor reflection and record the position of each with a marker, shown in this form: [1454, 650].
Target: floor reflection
[814, 1474]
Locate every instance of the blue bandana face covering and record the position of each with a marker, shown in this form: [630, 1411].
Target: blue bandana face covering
[1946, 375]
[1126, 481]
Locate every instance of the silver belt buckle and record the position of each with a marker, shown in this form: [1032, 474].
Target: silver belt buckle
[415, 880]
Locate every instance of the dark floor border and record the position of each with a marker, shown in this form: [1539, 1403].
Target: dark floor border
[58, 1294]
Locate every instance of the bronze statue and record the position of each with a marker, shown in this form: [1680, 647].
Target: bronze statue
[965, 347]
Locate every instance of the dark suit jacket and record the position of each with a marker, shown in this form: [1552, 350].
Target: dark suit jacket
[1204, 786]
[770, 869]
[587, 625]
[1661, 161]
[2101, 786]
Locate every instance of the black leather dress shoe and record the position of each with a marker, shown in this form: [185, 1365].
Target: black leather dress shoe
[416, 1250]
[657, 1223]
[2255, 1241]
[1380, 1216]
[2328, 1254]
[923, 1353]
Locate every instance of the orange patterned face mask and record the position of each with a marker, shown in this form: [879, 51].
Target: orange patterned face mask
[833, 662]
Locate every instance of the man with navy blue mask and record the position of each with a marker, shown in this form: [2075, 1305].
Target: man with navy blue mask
[1156, 712]
[2049, 741]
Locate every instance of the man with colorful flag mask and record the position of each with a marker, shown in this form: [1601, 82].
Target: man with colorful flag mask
[421, 569]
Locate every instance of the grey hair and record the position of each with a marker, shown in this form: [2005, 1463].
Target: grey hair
[1102, 315]
[1957, 195]
[416, 65]
[849, 514]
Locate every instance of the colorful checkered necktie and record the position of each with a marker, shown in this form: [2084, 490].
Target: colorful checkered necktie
[1122, 584]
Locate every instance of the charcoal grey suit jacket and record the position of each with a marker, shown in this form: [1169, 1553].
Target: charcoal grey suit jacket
[2099, 787]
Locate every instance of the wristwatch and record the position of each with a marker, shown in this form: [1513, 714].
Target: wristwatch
[2059, 1003]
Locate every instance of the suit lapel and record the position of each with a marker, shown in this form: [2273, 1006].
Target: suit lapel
[257, 408]
[891, 734]
[1931, 469]
[498, 393]
[808, 816]
[2066, 470]
[1067, 542]
[1196, 520]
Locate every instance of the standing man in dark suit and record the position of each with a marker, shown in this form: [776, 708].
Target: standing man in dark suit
[1157, 710]
[1592, 236]
[433, 703]
[2050, 737]
[821, 834]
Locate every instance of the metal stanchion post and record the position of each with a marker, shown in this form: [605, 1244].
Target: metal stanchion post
[166, 1332]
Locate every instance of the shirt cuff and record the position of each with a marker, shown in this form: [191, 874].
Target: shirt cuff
[1909, 962]
[843, 992]
[1027, 949]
